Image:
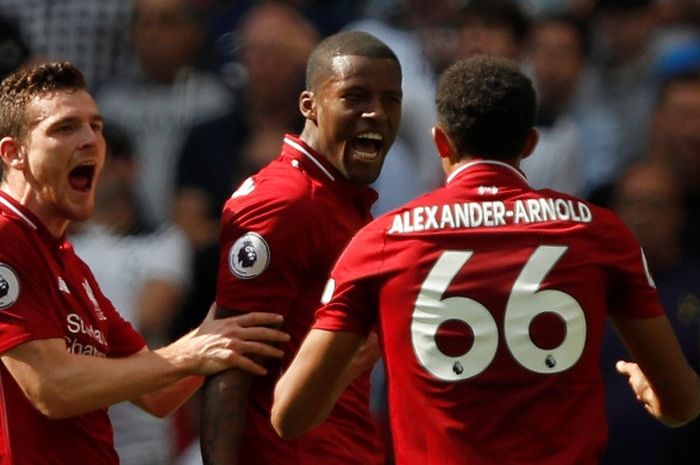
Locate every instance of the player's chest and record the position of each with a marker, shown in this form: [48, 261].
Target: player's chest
[80, 307]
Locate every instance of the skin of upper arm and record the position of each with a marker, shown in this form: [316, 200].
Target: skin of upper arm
[224, 401]
[34, 365]
[306, 393]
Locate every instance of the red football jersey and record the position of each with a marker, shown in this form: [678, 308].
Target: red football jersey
[490, 298]
[282, 230]
[46, 291]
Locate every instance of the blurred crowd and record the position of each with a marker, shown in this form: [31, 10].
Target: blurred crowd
[197, 95]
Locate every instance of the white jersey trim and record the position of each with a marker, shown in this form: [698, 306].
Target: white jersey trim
[313, 159]
[487, 162]
[17, 212]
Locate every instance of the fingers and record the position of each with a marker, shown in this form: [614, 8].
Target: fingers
[244, 363]
[624, 368]
[258, 333]
[259, 348]
[640, 385]
[257, 319]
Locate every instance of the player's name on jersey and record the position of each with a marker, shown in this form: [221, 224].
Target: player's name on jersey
[489, 214]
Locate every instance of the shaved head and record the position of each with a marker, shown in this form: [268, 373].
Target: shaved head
[349, 43]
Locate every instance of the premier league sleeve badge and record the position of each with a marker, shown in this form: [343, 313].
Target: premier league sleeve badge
[249, 256]
[9, 286]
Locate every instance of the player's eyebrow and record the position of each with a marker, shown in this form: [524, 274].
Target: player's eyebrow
[95, 118]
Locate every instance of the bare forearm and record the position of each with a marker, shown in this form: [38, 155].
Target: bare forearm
[164, 401]
[223, 416]
[60, 384]
[303, 401]
[309, 389]
[79, 384]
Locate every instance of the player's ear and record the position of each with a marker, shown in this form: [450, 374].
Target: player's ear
[530, 143]
[307, 105]
[11, 152]
[443, 144]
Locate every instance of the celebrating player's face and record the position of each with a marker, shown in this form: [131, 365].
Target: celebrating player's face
[358, 110]
[65, 153]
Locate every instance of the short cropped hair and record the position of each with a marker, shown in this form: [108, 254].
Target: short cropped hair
[17, 89]
[345, 43]
[487, 107]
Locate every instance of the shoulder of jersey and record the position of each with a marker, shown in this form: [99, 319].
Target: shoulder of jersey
[9, 227]
[288, 186]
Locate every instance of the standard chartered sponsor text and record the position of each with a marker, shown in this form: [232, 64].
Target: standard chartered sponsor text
[76, 325]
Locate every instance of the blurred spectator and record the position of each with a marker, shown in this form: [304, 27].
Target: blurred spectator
[433, 23]
[675, 140]
[164, 96]
[493, 27]
[578, 148]
[682, 57]
[274, 42]
[92, 34]
[680, 21]
[13, 51]
[328, 16]
[627, 81]
[648, 200]
[145, 272]
[223, 17]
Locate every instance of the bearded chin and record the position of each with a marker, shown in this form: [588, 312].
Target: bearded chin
[76, 212]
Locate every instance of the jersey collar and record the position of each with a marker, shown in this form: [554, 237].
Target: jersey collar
[13, 209]
[320, 168]
[486, 169]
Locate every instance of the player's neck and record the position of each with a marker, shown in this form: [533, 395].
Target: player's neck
[450, 167]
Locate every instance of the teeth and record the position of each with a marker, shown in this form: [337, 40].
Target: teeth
[370, 153]
[365, 155]
[371, 136]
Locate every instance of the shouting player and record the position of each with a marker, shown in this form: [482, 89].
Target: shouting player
[66, 353]
[282, 231]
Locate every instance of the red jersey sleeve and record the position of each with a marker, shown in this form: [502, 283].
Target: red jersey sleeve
[268, 244]
[350, 300]
[26, 299]
[632, 290]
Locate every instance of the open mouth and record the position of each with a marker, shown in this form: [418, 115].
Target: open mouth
[81, 177]
[367, 146]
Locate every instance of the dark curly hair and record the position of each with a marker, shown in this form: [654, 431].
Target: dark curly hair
[487, 107]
